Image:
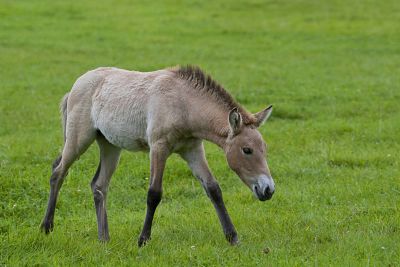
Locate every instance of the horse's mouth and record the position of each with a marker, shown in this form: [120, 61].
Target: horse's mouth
[260, 194]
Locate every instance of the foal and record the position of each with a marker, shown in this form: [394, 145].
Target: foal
[163, 112]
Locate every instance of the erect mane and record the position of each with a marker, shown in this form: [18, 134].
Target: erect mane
[205, 83]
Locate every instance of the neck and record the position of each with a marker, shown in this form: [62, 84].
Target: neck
[213, 137]
[213, 127]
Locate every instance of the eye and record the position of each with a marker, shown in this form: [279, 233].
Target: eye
[247, 150]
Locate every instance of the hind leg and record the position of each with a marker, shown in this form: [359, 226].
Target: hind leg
[76, 144]
[109, 157]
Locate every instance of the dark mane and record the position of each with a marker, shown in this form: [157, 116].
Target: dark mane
[205, 83]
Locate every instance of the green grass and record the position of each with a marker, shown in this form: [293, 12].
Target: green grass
[332, 71]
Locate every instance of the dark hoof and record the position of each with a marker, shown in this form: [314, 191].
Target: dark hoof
[143, 240]
[47, 227]
[104, 239]
[232, 238]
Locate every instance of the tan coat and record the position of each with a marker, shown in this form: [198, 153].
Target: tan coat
[163, 112]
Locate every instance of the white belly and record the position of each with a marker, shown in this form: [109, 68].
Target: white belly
[124, 133]
[122, 121]
[128, 139]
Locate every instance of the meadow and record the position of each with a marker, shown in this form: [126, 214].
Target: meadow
[330, 68]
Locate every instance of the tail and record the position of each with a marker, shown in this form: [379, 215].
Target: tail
[63, 110]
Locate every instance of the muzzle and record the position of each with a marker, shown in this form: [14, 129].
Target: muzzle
[264, 188]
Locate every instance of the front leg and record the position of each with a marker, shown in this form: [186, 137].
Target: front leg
[195, 157]
[214, 193]
[158, 156]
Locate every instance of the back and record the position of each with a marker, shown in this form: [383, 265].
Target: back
[127, 103]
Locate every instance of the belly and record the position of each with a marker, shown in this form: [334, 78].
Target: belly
[128, 143]
[129, 140]
[123, 125]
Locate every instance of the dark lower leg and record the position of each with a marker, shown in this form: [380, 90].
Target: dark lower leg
[56, 181]
[153, 199]
[101, 213]
[99, 203]
[48, 221]
[214, 193]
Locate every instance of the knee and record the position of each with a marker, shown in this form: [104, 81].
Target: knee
[153, 198]
[58, 174]
[98, 194]
[56, 163]
[55, 178]
[94, 180]
[214, 192]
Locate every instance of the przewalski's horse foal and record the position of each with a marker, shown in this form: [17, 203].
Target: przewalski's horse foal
[163, 112]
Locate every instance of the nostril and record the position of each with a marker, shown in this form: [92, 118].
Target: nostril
[267, 191]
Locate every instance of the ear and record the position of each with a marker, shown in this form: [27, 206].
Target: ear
[263, 116]
[235, 121]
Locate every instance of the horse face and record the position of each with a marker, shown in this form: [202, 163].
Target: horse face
[246, 155]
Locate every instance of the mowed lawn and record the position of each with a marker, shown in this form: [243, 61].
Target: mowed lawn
[330, 68]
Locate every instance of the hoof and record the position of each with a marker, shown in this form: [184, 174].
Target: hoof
[232, 238]
[234, 241]
[143, 240]
[46, 227]
[104, 240]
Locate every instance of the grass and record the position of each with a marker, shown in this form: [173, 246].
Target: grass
[332, 71]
